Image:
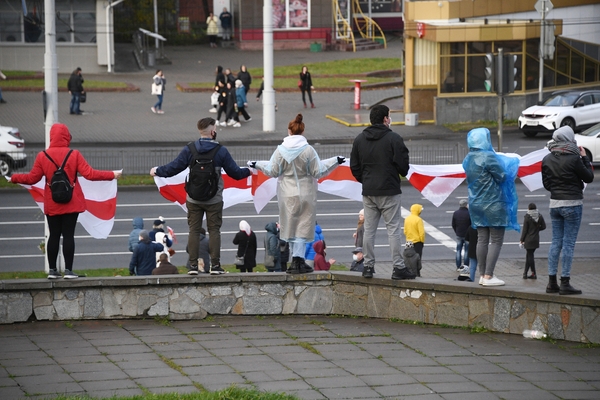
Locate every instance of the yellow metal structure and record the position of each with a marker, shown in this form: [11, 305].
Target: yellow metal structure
[342, 26]
[367, 27]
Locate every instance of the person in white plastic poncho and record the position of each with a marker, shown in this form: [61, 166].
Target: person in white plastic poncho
[493, 200]
[297, 166]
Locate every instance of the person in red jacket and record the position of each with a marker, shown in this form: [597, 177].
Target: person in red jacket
[320, 263]
[62, 217]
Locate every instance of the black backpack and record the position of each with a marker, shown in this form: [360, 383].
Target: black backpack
[202, 183]
[60, 185]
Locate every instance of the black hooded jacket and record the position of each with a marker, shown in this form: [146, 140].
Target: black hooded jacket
[379, 157]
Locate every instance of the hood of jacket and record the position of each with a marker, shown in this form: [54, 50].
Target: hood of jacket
[145, 237]
[319, 247]
[292, 146]
[376, 132]
[60, 136]
[271, 227]
[138, 223]
[479, 138]
[416, 209]
[318, 229]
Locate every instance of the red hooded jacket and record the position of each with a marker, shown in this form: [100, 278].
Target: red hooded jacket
[320, 263]
[60, 138]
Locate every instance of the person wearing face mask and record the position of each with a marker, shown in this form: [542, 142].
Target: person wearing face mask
[213, 207]
[358, 260]
[143, 259]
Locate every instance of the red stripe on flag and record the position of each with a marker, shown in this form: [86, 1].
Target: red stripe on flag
[525, 170]
[37, 194]
[104, 210]
[341, 173]
[258, 180]
[420, 181]
[229, 182]
[175, 193]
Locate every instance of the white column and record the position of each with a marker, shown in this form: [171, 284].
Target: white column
[268, 92]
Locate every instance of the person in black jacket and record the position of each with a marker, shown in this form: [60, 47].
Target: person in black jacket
[245, 77]
[564, 172]
[461, 220]
[306, 86]
[143, 259]
[75, 87]
[533, 223]
[379, 157]
[246, 242]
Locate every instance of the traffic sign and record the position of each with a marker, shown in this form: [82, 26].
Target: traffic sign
[544, 6]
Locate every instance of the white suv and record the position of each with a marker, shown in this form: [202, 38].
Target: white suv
[577, 108]
[12, 150]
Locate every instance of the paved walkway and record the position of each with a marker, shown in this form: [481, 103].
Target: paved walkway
[313, 357]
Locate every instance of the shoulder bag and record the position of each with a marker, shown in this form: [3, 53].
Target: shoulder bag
[240, 260]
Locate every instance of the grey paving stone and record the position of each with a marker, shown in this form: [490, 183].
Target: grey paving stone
[208, 370]
[268, 376]
[437, 378]
[286, 341]
[141, 364]
[471, 396]
[120, 350]
[567, 385]
[579, 365]
[282, 386]
[124, 341]
[340, 382]
[54, 378]
[542, 376]
[396, 391]
[23, 355]
[196, 353]
[35, 370]
[174, 389]
[164, 372]
[18, 345]
[174, 338]
[321, 372]
[527, 395]
[426, 370]
[414, 361]
[461, 360]
[196, 361]
[237, 351]
[80, 359]
[90, 367]
[57, 388]
[456, 387]
[499, 385]
[132, 357]
[5, 381]
[301, 355]
[12, 392]
[364, 371]
[472, 369]
[74, 352]
[168, 382]
[578, 394]
[506, 378]
[350, 393]
[398, 378]
[221, 380]
[112, 384]
[98, 375]
[306, 394]
[101, 394]
[298, 365]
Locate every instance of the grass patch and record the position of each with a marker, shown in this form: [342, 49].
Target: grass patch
[467, 126]
[62, 83]
[231, 393]
[126, 180]
[292, 83]
[309, 347]
[19, 73]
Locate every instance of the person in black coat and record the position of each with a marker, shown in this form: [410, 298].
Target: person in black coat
[306, 86]
[533, 223]
[246, 241]
[75, 87]
[245, 77]
[461, 220]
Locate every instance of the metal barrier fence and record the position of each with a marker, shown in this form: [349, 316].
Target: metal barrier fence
[138, 161]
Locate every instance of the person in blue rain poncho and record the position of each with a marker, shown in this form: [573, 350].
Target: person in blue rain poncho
[493, 200]
[297, 166]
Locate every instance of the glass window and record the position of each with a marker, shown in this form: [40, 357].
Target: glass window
[10, 27]
[291, 14]
[512, 46]
[479, 47]
[576, 66]
[63, 27]
[591, 71]
[85, 27]
[476, 74]
[562, 58]
[453, 71]
[532, 76]
[562, 80]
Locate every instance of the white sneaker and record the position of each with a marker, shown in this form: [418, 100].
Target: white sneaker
[237, 125]
[220, 123]
[213, 110]
[481, 280]
[153, 110]
[493, 281]
[465, 271]
[230, 122]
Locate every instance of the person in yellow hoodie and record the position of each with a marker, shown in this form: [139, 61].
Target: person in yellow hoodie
[414, 229]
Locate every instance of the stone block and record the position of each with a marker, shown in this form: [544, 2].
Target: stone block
[516, 310]
[478, 306]
[250, 290]
[315, 300]
[44, 313]
[188, 316]
[92, 306]
[220, 291]
[538, 324]
[519, 324]
[160, 308]
[591, 326]
[42, 299]
[378, 302]
[346, 303]
[501, 314]
[195, 293]
[405, 310]
[289, 303]
[452, 314]
[218, 305]
[157, 291]
[254, 305]
[19, 307]
[274, 289]
[555, 327]
[183, 305]
[111, 307]
[67, 309]
[574, 328]
[144, 303]
[238, 307]
[71, 294]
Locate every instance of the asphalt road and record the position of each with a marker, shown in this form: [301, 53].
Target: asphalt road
[22, 228]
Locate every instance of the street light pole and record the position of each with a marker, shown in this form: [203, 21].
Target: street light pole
[268, 92]
[542, 41]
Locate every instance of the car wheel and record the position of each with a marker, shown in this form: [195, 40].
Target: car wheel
[5, 166]
[589, 155]
[530, 134]
[568, 122]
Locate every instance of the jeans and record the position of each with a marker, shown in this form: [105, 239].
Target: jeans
[461, 244]
[214, 220]
[472, 268]
[298, 248]
[565, 227]
[387, 207]
[158, 104]
[74, 106]
[61, 225]
[487, 259]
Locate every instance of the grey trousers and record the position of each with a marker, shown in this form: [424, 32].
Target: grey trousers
[488, 253]
[387, 207]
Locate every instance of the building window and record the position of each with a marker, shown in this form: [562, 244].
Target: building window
[75, 21]
[291, 14]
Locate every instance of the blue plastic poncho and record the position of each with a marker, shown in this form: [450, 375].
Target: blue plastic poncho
[491, 177]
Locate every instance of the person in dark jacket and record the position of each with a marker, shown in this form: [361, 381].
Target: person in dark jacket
[226, 19]
[165, 267]
[75, 87]
[379, 157]
[412, 259]
[461, 220]
[533, 223]
[212, 207]
[62, 217]
[272, 247]
[134, 236]
[203, 253]
[246, 242]
[220, 80]
[358, 260]
[564, 172]
[143, 259]
[159, 226]
[321, 264]
[232, 116]
[471, 238]
[245, 77]
[306, 86]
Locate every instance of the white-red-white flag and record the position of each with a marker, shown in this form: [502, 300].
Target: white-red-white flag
[530, 169]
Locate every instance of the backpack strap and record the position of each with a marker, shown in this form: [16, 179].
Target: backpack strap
[62, 167]
[208, 155]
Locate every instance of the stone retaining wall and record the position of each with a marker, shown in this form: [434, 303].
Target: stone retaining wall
[183, 297]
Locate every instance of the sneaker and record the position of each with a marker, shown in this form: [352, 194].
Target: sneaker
[481, 280]
[193, 270]
[458, 269]
[403, 273]
[213, 110]
[230, 122]
[493, 281]
[153, 110]
[160, 112]
[237, 125]
[249, 119]
[54, 274]
[368, 272]
[216, 270]
[70, 274]
[465, 271]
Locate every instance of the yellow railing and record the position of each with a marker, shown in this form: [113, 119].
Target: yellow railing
[367, 27]
[343, 28]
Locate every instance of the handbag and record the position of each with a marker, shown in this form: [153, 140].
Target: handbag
[82, 97]
[269, 260]
[240, 260]
[300, 83]
[171, 252]
[156, 89]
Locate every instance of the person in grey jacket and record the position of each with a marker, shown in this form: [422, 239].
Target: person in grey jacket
[134, 236]
[379, 157]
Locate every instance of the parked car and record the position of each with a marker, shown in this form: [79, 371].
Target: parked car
[590, 141]
[577, 108]
[12, 150]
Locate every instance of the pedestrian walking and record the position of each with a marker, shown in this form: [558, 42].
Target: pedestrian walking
[245, 77]
[246, 242]
[379, 157]
[201, 199]
[306, 86]
[297, 166]
[461, 220]
[565, 171]
[242, 102]
[62, 217]
[158, 88]
[533, 223]
[75, 88]
[231, 107]
[212, 29]
[492, 200]
[414, 229]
